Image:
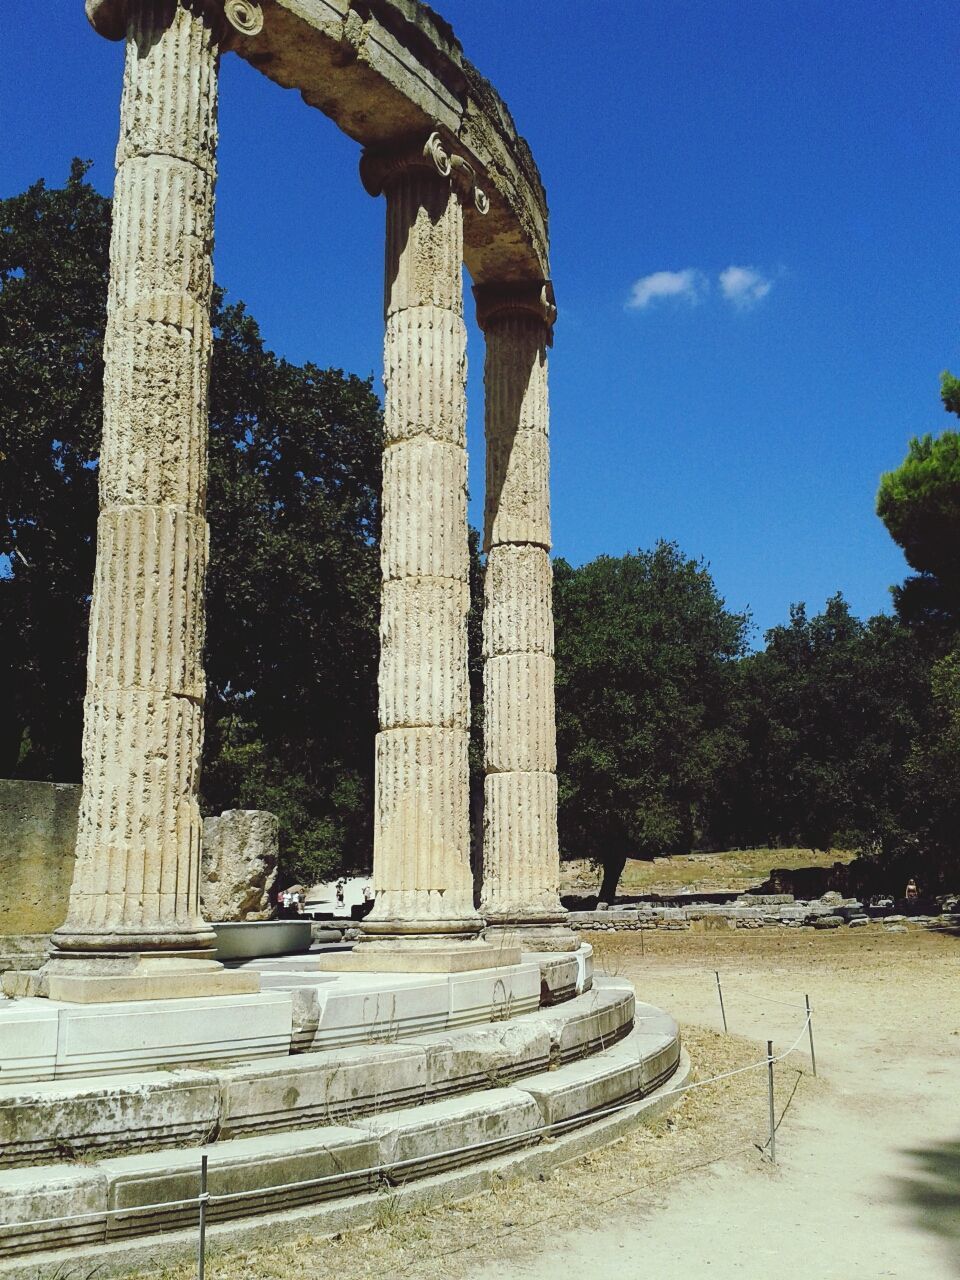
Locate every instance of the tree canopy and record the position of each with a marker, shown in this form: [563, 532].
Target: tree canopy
[644, 667]
[919, 502]
[829, 709]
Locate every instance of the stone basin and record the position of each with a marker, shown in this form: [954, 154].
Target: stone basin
[253, 939]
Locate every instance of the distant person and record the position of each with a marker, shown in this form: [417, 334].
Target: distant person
[368, 893]
[912, 892]
[341, 886]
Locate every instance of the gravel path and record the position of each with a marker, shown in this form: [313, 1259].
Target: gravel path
[868, 1182]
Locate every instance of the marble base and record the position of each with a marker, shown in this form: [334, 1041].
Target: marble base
[533, 937]
[150, 978]
[416, 956]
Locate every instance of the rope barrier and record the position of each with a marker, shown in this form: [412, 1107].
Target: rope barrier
[786, 1004]
[634, 1189]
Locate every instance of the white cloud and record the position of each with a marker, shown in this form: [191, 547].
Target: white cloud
[744, 286]
[687, 286]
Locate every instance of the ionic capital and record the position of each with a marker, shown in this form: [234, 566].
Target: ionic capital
[230, 18]
[533, 299]
[382, 165]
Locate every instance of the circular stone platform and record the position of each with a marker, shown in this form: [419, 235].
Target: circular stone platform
[456, 1081]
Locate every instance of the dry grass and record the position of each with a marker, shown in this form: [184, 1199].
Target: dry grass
[726, 1121]
[736, 870]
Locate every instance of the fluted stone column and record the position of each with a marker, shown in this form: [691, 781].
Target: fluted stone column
[136, 882]
[521, 864]
[421, 856]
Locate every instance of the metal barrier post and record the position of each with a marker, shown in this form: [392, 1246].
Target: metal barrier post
[203, 1198]
[723, 1012]
[813, 1055]
[773, 1121]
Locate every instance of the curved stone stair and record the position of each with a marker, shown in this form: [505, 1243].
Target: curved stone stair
[298, 1132]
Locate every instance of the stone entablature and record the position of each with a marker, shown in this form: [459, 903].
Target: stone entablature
[391, 68]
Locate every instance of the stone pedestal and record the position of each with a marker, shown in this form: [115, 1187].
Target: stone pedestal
[421, 859]
[135, 886]
[407, 956]
[521, 864]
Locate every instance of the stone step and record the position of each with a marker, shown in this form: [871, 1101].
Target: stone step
[263, 1175]
[51, 1119]
[299, 1010]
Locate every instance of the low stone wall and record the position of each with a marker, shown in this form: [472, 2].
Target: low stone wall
[754, 912]
[38, 832]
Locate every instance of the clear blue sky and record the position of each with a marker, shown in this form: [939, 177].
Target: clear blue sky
[809, 143]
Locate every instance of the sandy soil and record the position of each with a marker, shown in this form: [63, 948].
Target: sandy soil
[868, 1182]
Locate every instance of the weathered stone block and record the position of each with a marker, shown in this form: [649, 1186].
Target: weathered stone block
[320, 1089]
[28, 1040]
[588, 1085]
[340, 1157]
[520, 733]
[54, 1191]
[484, 1056]
[424, 531]
[592, 1021]
[121, 1037]
[368, 1010]
[239, 866]
[421, 1141]
[44, 1121]
[489, 994]
[518, 604]
[423, 654]
[38, 836]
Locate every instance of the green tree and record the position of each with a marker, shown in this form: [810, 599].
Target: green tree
[919, 502]
[53, 295]
[293, 507]
[645, 653]
[830, 710]
[925, 843]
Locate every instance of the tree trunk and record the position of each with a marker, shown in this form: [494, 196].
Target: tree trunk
[612, 871]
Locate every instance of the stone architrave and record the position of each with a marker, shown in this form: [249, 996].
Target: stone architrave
[239, 865]
[421, 870]
[521, 864]
[135, 891]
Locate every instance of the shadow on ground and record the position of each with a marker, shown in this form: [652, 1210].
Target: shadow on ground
[933, 1193]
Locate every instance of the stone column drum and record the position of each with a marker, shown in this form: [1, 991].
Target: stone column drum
[421, 857]
[136, 883]
[521, 865]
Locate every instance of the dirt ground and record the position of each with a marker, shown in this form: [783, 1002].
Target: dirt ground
[868, 1179]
